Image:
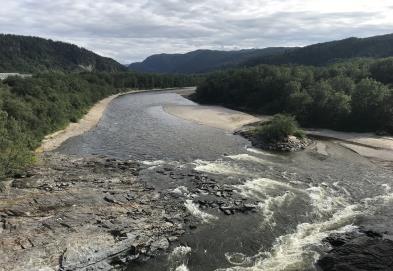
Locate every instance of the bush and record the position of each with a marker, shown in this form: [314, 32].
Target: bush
[14, 151]
[279, 128]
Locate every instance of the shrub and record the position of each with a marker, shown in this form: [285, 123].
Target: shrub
[279, 128]
[14, 151]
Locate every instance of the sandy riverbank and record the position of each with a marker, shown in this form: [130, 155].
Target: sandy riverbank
[365, 144]
[88, 122]
[213, 116]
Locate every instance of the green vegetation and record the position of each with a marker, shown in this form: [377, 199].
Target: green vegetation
[33, 55]
[14, 152]
[34, 107]
[353, 95]
[330, 52]
[279, 128]
[201, 60]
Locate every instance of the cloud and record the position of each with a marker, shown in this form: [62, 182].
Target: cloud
[130, 30]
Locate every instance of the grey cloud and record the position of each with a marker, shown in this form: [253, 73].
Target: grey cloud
[130, 30]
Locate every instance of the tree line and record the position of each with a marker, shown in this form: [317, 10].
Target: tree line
[34, 107]
[355, 95]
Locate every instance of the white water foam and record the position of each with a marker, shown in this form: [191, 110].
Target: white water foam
[373, 203]
[272, 195]
[271, 204]
[299, 250]
[236, 258]
[180, 190]
[324, 204]
[261, 152]
[249, 158]
[294, 251]
[262, 188]
[178, 259]
[195, 211]
[221, 167]
[153, 163]
[182, 267]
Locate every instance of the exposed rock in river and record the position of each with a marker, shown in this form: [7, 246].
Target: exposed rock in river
[358, 251]
[290, 144]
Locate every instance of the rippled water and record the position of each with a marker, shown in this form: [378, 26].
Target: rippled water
[136, 127]
[303, 197]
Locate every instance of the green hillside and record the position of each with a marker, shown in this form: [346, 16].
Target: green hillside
[24, 54]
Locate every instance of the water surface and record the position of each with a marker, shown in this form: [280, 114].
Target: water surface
[303, 197]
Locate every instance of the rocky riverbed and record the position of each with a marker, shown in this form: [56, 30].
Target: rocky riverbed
[84, 214]
[96, 213]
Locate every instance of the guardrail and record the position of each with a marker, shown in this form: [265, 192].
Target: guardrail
[4, 76]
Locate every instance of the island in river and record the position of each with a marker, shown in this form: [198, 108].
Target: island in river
[181, 190]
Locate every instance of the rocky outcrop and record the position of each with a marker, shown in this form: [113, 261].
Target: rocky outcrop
[210, 194]
[358, 251]
[84, 214]
[290, 144]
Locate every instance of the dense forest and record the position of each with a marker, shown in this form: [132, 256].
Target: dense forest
[353, 95]
[34, 107]
[24, 54]
[201, 61]
[330, 52]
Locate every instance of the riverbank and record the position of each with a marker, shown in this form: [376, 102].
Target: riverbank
[378, 148]
[88, 121]
[213, 116]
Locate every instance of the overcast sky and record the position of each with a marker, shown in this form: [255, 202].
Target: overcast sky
[130, 30]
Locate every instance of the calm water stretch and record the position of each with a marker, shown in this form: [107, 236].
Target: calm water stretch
[302, 197]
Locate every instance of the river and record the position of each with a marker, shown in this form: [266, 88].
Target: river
[301, 197]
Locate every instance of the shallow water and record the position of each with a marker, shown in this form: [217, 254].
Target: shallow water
[302, 197]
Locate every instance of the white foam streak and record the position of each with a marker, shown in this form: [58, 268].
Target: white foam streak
[221, 167]
[322, 201]
[261, 152]
[271, 204]
[292, 251]
[153, 163]
[249, 158]
[195, 211]
[182, 268]
[180, 190]
[178, 258]
[261, 188]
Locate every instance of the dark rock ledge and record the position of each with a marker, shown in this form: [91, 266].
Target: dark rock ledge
[363, 250]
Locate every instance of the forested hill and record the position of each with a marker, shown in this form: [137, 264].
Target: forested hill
[25, 54]
[330, 52]
[201, 60]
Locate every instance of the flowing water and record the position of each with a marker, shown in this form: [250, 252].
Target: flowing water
[302, 197]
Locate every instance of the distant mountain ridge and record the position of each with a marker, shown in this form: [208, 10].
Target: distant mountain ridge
[330, 52]
[201, 60]
[24, 54]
